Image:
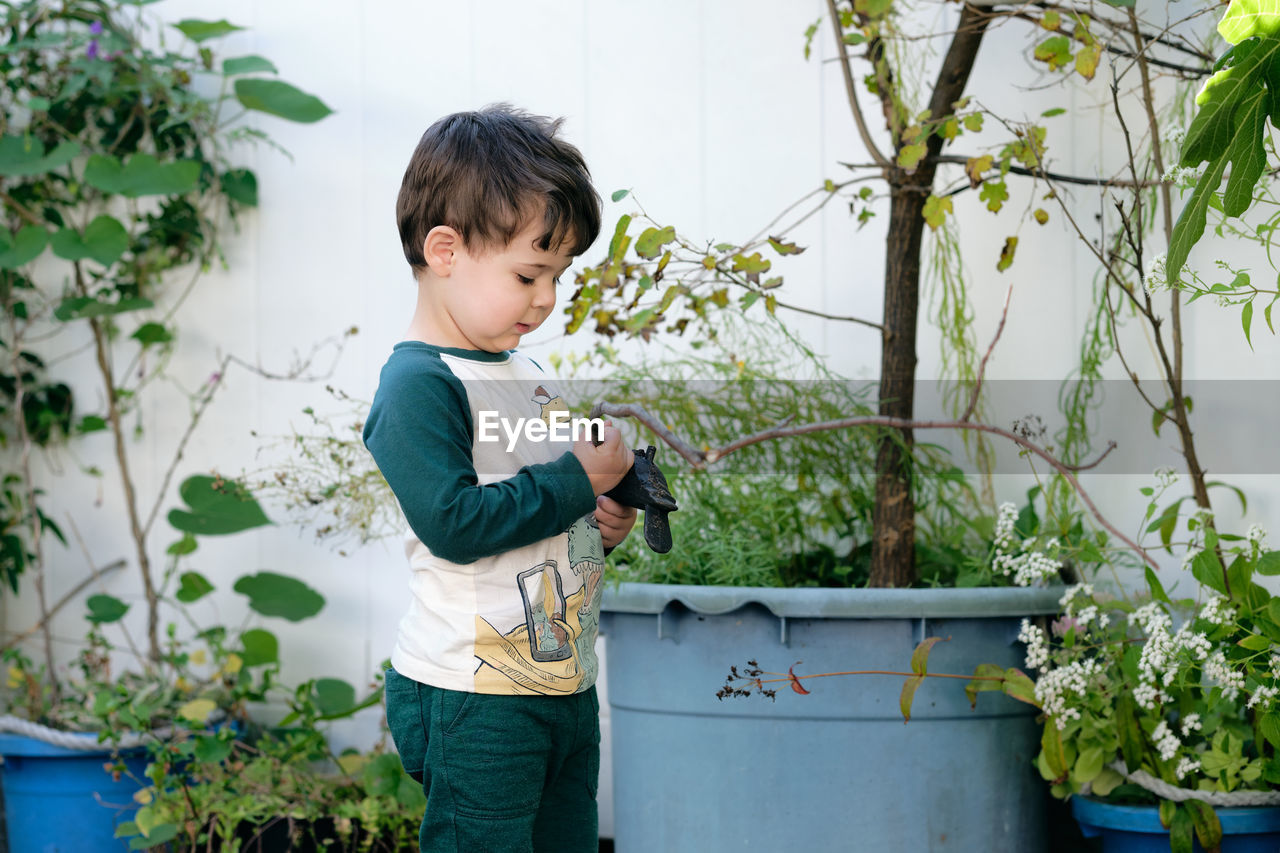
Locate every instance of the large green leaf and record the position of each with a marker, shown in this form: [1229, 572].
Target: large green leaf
[1228, 128]
[217, 507]
[278, 595]
[280, 99]
[22, 248]
[1247, 18]
[24, 155]
[142, 175]
[194, 586]
[104, 241]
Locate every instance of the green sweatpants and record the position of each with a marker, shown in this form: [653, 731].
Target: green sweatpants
[501, 773]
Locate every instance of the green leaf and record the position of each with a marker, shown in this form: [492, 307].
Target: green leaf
[1247, 18]
[199, 31]
[241, 186]
[149, 334]
[994, 193]
[1246, 317]
[217, 507]
[936, 210]
[104, 241]
[1106, 782]
[22, 248]
[1006, 254]
[1157, 589]
[82, 307]
[91, 423]
[142, 175]
[279, 98]
[105, 608]
[25, 155]
[211, 749]
[1208, 570]
[271, 594]
[333, 696]
[619, 195]
[1055, 50]
[260, 647]
[1054, 754]
[1088, 764]
[920, 657]
[1056, 111]
[1208, 827]
[185, 545]
[650, 242]
[752, 264]
[908, 695]
[193, 587]
[247, 65]
[909, 156]
[782, 247]
[1181, 830]
[1269, 563]
[1018, 686]
[984, 680]
[1269, 727]
[1254, 642]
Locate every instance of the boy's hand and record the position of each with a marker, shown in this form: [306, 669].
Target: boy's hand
[607, 463]
[614, 519]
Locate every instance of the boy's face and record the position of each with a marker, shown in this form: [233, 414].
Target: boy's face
[494, 296]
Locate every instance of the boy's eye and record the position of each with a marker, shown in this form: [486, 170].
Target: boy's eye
[524, 279]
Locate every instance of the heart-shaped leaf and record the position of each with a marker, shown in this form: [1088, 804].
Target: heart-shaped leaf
[247, 65]
[22, 248]
[24, 155]
[259, 647]
[104, 241]
[217, 507]
[105, 608]
[194, 586]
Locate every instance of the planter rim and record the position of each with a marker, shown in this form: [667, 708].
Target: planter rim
[809, 602]
[1235, 820]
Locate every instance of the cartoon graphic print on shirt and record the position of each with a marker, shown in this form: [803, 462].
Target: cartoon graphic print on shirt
[546, 653]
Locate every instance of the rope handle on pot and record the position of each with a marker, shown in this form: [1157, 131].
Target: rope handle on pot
[72, 740]
[1165, 791]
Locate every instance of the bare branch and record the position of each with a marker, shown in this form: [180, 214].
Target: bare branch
[851, 89]
[982, 365]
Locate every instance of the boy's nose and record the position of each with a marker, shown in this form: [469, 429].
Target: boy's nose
[544, 294]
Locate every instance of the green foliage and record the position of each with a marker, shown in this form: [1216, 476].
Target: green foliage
[790, 512]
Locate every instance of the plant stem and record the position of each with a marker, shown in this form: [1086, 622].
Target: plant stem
[101, 344]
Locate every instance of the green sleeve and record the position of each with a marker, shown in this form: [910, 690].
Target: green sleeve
[419, 431]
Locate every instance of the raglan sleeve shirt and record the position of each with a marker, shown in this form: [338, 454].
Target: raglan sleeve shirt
[420, 433]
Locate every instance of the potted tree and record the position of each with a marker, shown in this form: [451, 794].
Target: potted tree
[639, 287]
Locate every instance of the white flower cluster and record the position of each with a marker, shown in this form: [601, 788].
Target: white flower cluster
[1150, 617]
[1037, 645]
[1197, 644]
[1215, 612]
[1181, 176]
[1083, 590]
[1175, 136]
[1221, 673]
[1163, 654]
[1156, 656]
[1027, 567]
[1275, 665]
[1147, 695]
[1053, 687]
[1166, 741]
[1257, 534]
[1191, 723]
[1005, 520]
[1263, 696]
[1193, 551]
[1156, 277]
[1186, 765]
[1165, 477]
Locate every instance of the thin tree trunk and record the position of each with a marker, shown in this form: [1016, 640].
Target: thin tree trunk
[893, 520]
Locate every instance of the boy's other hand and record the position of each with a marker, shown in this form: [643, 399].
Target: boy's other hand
[607, 463]
[614, 519]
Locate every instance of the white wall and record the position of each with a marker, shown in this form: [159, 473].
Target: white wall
[707, 110]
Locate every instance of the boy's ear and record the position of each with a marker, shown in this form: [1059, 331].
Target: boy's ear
[439, 248]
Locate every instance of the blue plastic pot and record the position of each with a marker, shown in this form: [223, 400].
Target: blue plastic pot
[60, 800]
[833, 770]
[1137, 829]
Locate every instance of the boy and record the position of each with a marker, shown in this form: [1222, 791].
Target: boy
[491, 698]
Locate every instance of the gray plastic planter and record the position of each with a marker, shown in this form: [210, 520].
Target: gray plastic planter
[834, 770]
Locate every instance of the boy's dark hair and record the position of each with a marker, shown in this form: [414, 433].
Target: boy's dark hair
[486, 173]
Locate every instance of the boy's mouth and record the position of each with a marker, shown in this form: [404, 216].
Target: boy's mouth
[523, 328]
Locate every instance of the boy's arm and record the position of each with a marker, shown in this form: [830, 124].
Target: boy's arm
[419, 431]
